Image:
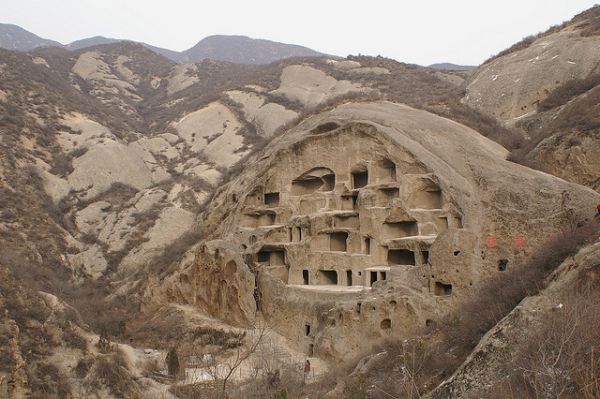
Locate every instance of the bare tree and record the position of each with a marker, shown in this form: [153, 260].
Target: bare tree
[222, 371]
[562, 360]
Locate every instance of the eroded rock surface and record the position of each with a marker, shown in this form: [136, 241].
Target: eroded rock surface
[342, 248]
[510, 87]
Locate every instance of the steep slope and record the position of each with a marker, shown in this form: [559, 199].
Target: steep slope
[244, 50]
[510, 86]
[547, 86]
[566, 137]
[370, 242]
[110, 153]
[137, 140]
[540, 347]
[13, 37]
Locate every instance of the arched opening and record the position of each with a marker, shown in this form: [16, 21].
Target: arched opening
[316, 179]
[305, 280]
[503, 265]
[325, 127]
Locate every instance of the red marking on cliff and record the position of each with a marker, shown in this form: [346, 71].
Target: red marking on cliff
[520, 242]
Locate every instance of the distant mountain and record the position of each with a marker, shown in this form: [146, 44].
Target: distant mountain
[89, 42]
[446, 66]
[13, 37]
[236, 49]
[101, 40]
[244, 50]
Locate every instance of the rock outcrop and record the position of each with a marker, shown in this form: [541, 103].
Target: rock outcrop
[501, 345]
[348, 247]
[511, 86]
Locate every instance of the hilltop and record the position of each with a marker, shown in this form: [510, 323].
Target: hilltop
[547, 86]
[357, 212]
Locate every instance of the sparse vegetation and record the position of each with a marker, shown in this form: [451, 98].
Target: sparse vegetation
[567, 91]
[111, 372]
[409, 369]
[33, 240]
[578, 115]
[559, 359]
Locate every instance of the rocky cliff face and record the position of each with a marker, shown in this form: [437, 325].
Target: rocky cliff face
[488, 367]
[349, 248]
[143, 194]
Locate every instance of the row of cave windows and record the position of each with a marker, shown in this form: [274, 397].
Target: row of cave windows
[430, 198]
[395, 257]
[330, 277]
[338, 241]
[323, 179]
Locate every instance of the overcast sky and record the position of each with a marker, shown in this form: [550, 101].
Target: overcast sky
[415, 31]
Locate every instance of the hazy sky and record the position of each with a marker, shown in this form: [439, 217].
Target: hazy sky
[416, 31]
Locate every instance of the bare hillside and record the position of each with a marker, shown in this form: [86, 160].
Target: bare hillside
[238, 220]
[547, 87]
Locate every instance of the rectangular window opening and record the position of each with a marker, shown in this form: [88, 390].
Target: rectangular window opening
[401, 257]
[338, 241]
[442, 289]
[373, 278]
[360, 179]
[425, 257]
[367, 249]
[272, 199]
[328, 277]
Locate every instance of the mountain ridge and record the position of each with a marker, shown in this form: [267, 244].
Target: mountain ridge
[13, 37]
[230, 48]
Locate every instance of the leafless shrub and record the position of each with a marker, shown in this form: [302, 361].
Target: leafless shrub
[112, 372]
[561, 360]
[83, 366]
[560, 356]
[568, 90]
[482, 311]
[73, 339]
[223, 370]
[408, 369]
[169, 256]
[47, 381]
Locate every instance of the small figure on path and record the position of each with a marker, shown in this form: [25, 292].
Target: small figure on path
[306, 369]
